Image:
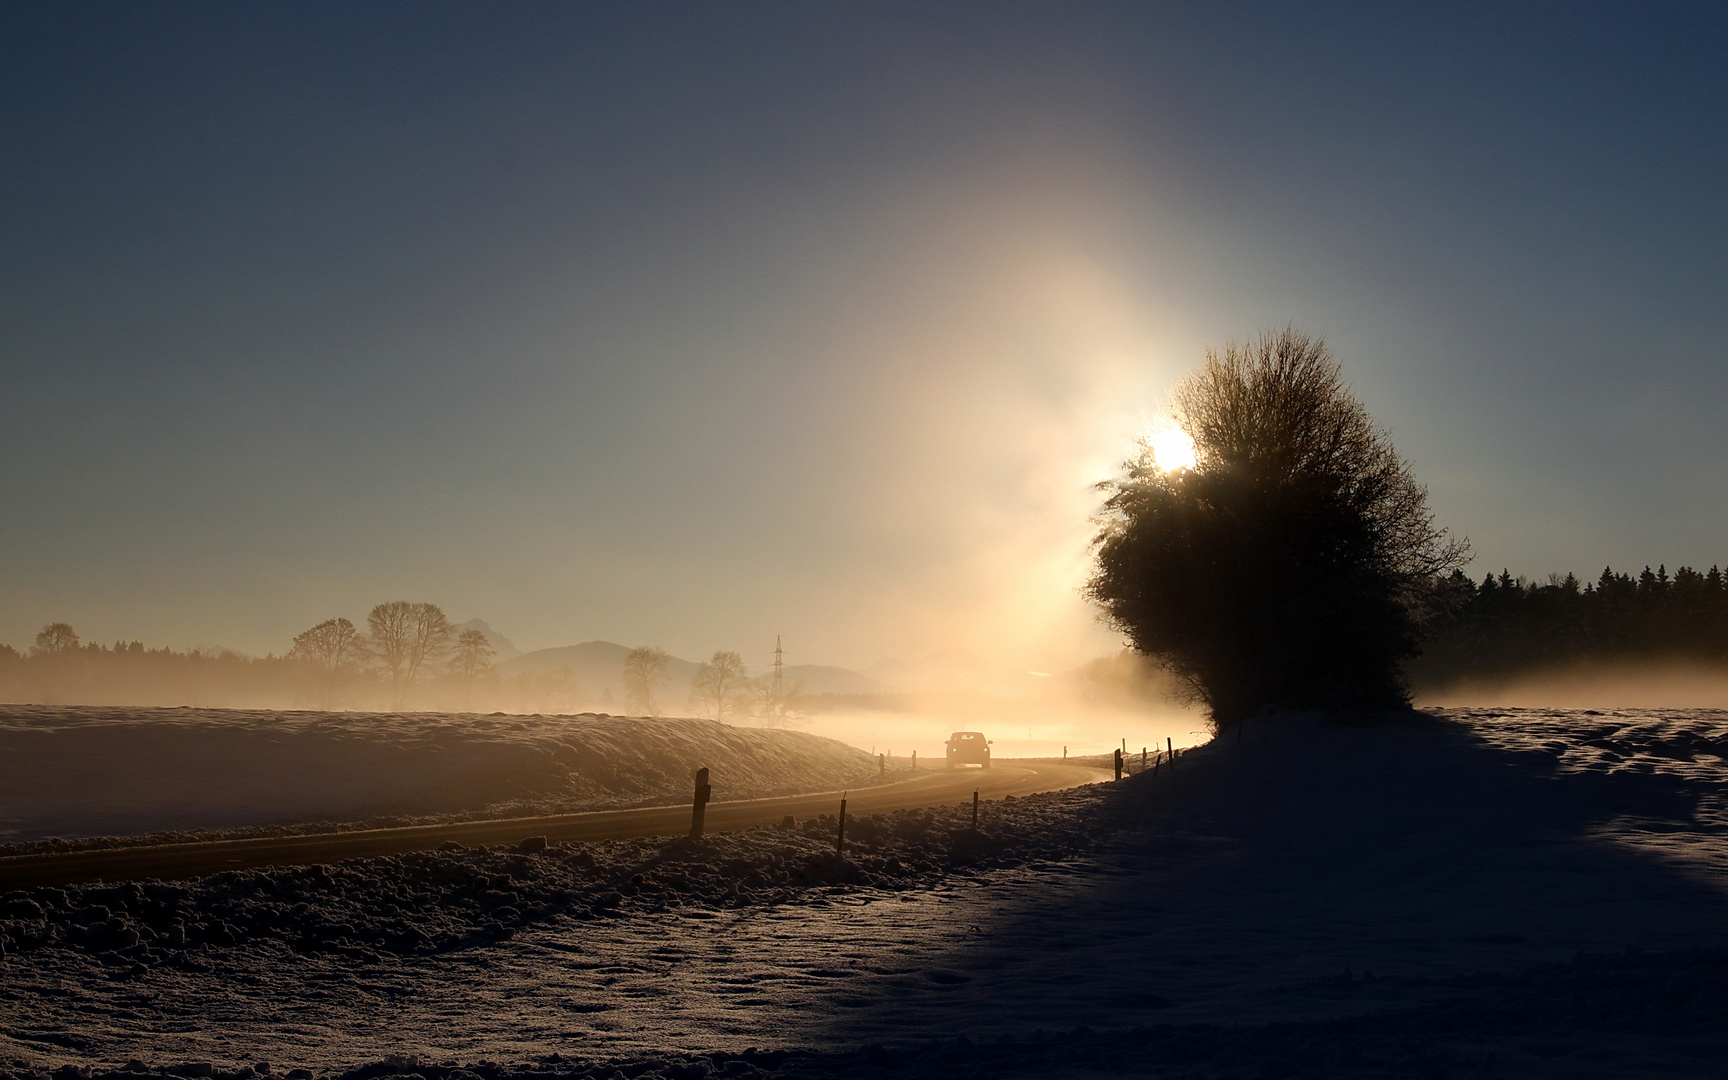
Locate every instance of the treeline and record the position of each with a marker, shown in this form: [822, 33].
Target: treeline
[1504, 627]
[128, 673]
[409, 657]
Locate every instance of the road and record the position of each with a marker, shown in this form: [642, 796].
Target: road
[935, 787]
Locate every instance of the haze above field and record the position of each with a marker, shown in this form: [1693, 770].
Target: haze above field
[697, 326]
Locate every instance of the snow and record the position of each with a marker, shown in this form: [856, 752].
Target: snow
[431, 949]
[80, 772]
[1457, 893]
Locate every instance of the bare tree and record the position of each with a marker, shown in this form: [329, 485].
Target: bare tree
[781, 704]
[470, 664]
[332, 651]
[644, 672]
[473, 657]
[1290, 566]
[405, 638]
[333, 643]
[720, 684]
[55, 639]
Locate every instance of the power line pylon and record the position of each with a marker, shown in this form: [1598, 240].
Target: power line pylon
[779, 684]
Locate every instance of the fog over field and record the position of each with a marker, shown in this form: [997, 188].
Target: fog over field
[895, 706]
[1655, 684]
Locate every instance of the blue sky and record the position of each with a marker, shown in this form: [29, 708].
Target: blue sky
[695, 324]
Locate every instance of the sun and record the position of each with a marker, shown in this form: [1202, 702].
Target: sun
[1171, 447]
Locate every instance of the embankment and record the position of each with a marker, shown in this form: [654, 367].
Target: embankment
[74, 772]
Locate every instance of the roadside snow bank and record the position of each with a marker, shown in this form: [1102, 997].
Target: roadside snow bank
[82, 772]
[454, 897]
[257, 962]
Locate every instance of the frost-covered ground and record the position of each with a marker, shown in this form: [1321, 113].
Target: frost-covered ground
[83, 772]
[1528, 893]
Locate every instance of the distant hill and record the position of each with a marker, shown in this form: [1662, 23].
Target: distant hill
[500, 644]
[824, 679]
[598, 668]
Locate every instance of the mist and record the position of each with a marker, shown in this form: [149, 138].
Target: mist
[898, 707]
[1017, 728]
[1651, 684]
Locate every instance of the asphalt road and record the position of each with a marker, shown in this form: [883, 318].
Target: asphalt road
[936, 787]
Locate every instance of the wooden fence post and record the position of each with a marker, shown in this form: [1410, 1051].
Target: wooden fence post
[1118, 756]
[840, 837]
[882, 765]
[1170, 752]
[699, 809]
[974, 808]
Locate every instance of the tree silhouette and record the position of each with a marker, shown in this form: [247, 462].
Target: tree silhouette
[781, 705]
[644, 671]
[719, 683]
[471, 663]
[472, 658]
[404, 638]
[1510, 626]
[1291, 565]
[55, 639]
[332, 650]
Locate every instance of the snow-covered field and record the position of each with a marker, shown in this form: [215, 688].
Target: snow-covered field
[80, 772]
[1453, 894]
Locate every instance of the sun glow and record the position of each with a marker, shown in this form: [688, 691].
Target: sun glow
[1171, 447]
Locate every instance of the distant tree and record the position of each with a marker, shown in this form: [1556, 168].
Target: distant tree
[1292, 565]
[55, 639]
[644, 672]
[720, 684]
[473, 656]
[404, 639]
[470, 665]
[782, 705]
[332, 645]
[331, 651]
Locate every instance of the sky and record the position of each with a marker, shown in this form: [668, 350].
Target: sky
[693, 325]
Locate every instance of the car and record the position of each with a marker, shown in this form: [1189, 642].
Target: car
[968, 748]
